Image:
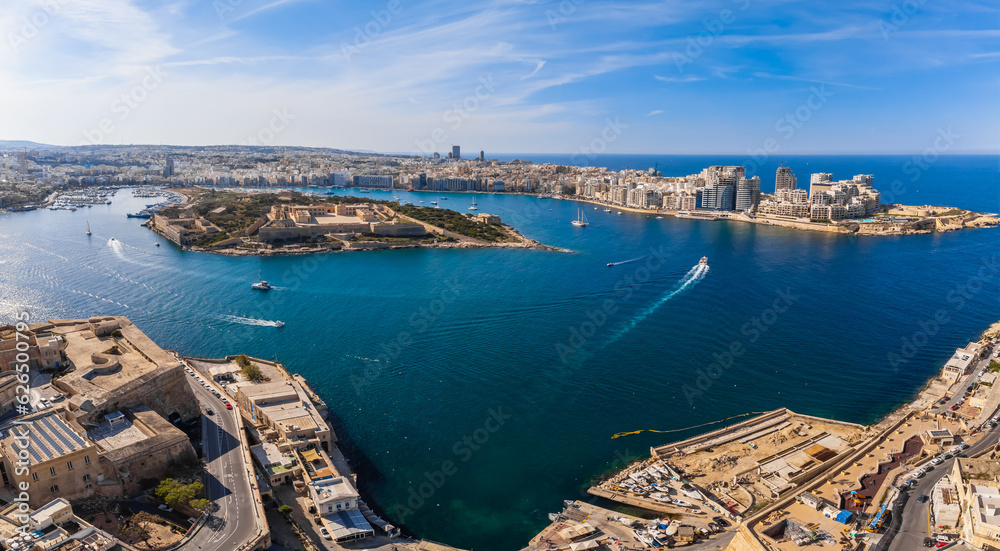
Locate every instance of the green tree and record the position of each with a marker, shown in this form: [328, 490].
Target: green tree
[285, 509]
[252, 373]
[200, 504]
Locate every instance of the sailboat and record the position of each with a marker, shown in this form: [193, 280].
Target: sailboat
[473, 207]
[260, 285]
[88, 229]
[581, 219]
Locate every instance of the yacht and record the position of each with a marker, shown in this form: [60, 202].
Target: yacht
[703, 261]
[473, 207]
[157, 243]
[581, 219]
[88, 229]
[608, 209]
[260, 285]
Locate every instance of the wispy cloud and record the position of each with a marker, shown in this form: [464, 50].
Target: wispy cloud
[689, 78]
[654, 112]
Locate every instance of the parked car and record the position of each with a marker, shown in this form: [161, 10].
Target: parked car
[163, 507]
[954, 407]
[922, 498]
[229, 406]
[324, 532]
[929, 542]
[209, 411]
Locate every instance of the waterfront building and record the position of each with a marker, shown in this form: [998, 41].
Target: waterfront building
[719, 192]
[957, 365]
[336, 503]
[784, 179]
[372, 181]
[279, 410]
[748, 194]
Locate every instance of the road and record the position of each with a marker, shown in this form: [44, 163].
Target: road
[233, 523]
[915, 518]
[958, 396]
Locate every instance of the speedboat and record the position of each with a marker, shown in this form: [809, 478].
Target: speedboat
[607, 210]
[157, 244]
[261, 285]
[704, 260]
[279, 324]
[610, 264]
[680, 503]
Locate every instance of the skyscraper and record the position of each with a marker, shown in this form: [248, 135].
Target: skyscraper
[168, 170]
[720, 188]
[482, 155]
[784, 179]
[456, 152]
[748, 193]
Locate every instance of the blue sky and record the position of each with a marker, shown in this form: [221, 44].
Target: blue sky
[729, 76]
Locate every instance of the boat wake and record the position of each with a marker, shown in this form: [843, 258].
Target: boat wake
[251, 321]
[690, 279]
[628, 261]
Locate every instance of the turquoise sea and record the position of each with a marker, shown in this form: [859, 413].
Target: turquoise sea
[480, 388]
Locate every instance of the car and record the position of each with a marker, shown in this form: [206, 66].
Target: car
[209, 411]
[943, 401]
[720, 521]
[942, 543]
[229, 406]
[325, 533]
[56, 397]
[192, 520]
[954, 407]
[922, 498]
[929, 542]
[163, 507]
[965, 446]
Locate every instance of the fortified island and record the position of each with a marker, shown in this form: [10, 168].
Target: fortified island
[257, 223]
[120, 443]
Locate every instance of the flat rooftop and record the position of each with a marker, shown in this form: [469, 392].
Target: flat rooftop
[49, 436]
[111, 436]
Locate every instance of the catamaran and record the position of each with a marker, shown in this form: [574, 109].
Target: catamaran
[260, 285]
[581, 219]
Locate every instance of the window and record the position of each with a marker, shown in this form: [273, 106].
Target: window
[34, 476]
[86, 478]
[69, 465]
[52, 471]
[86, 460]
[338, 506]
[53, 488]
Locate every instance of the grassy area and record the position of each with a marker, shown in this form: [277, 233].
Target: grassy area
[952, 212]
[456, 222]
